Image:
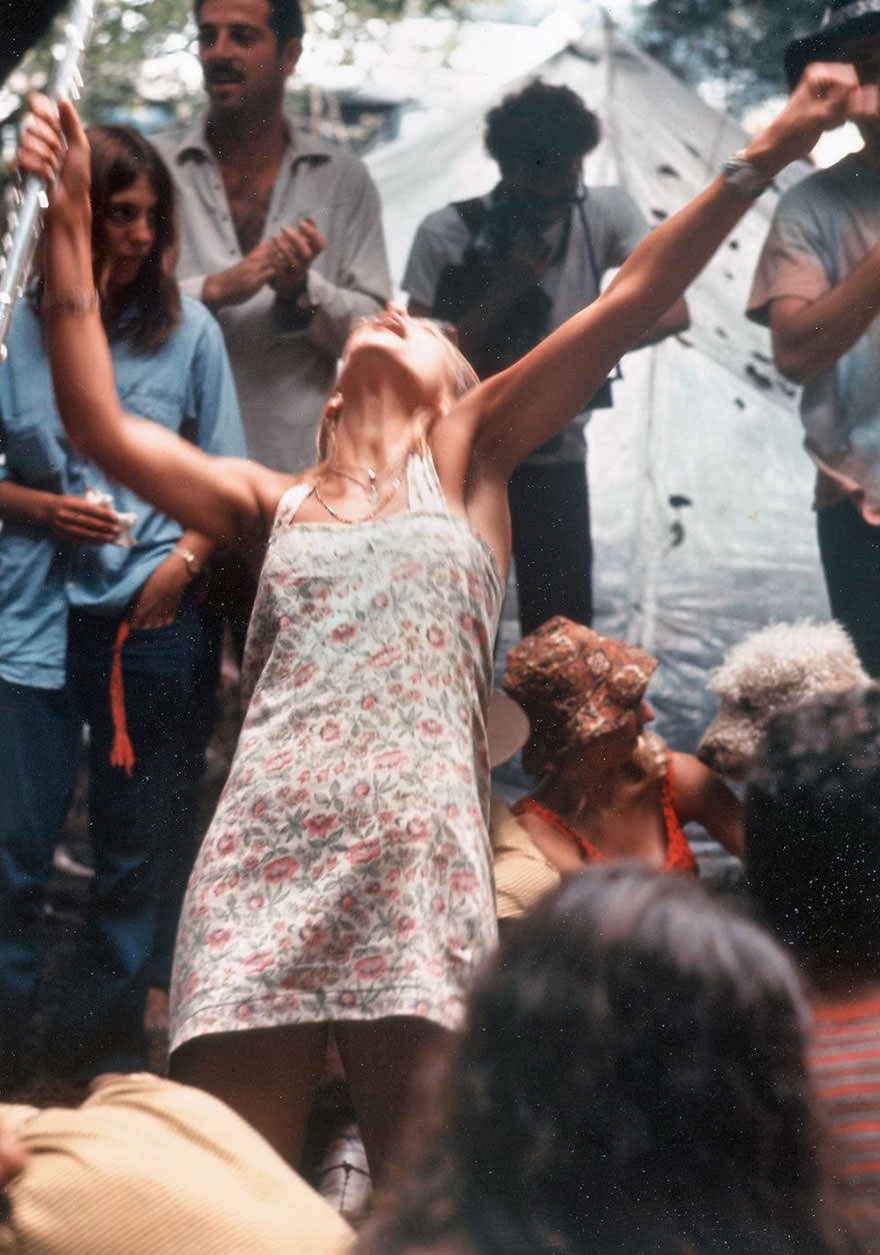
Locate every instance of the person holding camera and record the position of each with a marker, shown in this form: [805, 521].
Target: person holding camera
[507, 268]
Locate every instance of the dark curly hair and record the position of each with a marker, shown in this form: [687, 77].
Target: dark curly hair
[285, 19]
[812, 833]
[541, 128]
[632, 1078]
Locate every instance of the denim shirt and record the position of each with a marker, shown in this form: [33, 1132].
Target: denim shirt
[185, 385]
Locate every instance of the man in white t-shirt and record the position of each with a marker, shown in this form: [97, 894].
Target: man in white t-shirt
[818, 287]
[507, 268]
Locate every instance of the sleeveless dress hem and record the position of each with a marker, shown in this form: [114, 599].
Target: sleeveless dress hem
[347, 872]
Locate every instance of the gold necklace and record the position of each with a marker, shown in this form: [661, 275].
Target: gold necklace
[370, 489]
[377, 508]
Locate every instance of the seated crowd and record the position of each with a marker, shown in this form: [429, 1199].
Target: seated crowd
[639, 1064]
[643, 1068]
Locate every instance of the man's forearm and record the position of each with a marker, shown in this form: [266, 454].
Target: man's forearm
[810, 336]
[211, 292]
[336, 309]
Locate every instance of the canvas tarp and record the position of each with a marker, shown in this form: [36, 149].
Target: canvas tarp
[704, 420]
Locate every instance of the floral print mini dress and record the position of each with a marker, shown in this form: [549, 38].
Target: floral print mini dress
[346, 874]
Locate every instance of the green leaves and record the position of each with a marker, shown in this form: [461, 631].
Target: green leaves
[127, 34]
[737, 44]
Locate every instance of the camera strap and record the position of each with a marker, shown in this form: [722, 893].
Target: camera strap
[594, 265]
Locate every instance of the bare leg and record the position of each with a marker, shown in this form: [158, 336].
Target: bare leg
[383, 1061]
[267, 1075]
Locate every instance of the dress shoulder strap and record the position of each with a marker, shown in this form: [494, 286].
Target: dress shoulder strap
[679, 855]
[531, 806]
[423, 485]
[290, 502]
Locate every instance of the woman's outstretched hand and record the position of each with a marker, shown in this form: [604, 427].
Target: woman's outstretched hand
[54, 148]
[828, 94]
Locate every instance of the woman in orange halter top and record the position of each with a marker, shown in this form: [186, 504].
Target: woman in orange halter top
[607, 789]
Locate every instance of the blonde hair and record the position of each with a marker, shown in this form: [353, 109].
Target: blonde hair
[652, 754]
[462, 378]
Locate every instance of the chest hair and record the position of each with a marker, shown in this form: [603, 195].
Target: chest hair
[249, 192]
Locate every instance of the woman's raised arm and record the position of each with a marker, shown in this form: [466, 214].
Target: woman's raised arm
[517, 410]
[228, 499]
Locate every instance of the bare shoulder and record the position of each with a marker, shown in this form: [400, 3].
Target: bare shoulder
[691, 776]
[703, 796]
[700, 791]
[475, 486]
[452, 447]
[277, 483]
[261, 485]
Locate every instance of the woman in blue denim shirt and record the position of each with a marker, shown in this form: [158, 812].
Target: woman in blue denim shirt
[94, 630]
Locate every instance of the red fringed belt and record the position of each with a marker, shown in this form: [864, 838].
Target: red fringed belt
[122, 753]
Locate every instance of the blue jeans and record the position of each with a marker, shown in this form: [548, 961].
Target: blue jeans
[178, 851]
[552, 548]
[850, 552]
[100, 1024]
[39, 742]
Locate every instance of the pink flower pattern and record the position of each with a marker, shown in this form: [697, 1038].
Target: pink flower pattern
[347, 872]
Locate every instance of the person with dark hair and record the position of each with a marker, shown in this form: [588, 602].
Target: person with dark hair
[508, 267]
[540, 127]
[281, 234]
[631, 1078]
[100, 624]
[346, 875]
[281, 238]
[607, 787]
[817, 286]
[812, 822]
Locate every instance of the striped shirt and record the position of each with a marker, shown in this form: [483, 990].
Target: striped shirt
[845, 1060]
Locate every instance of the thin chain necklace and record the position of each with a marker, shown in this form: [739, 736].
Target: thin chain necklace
[371, 488]
[380, 505]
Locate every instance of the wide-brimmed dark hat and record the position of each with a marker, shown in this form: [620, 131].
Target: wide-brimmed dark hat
[843, 20]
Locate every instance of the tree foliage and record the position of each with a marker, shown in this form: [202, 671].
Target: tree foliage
[124, 36]
[126, 33]
[736, 44]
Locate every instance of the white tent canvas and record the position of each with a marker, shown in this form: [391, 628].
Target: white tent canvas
[704, 418]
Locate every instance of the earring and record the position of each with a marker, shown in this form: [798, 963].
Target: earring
[333, 408]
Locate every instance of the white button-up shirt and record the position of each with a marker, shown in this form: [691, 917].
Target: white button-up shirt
[284, 376]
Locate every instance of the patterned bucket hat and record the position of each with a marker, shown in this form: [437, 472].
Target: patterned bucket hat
[571, 680]
[842, 20]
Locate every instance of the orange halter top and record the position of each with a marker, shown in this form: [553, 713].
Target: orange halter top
[679, 855]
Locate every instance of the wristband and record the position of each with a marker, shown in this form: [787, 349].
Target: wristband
[739, 172]
[190, 561]
[75, 303]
